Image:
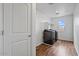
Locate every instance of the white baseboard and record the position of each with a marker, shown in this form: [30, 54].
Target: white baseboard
[58, 39]
[76, 49]
[65, 40]
[39, 43]
[47, 44]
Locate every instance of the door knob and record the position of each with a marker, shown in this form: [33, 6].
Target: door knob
[29, 35]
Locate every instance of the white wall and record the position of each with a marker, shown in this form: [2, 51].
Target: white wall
[76, 28]
[67, 34]
[41, 24]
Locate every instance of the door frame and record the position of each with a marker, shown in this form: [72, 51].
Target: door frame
[33, 29]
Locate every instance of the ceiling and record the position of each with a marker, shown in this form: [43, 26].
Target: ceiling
[55, 9]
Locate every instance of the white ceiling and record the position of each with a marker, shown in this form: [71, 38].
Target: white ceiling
[50, 9]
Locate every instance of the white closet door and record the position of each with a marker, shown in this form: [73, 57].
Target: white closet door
[17, 29]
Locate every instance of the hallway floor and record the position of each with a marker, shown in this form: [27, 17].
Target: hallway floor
[60, 48]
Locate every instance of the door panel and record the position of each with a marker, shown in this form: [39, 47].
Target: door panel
[19, 48]
[20, 17]
[17, 28]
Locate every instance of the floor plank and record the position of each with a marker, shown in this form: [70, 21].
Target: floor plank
[60, 48]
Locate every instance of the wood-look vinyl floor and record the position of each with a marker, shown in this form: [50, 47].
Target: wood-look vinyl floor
[59, 48]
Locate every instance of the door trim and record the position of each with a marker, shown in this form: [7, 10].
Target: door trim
[33, 29]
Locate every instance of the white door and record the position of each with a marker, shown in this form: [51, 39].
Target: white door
[17, 29]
